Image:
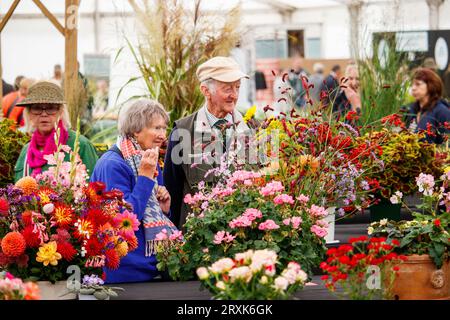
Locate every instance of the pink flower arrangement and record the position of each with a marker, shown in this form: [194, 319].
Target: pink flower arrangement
[268, 225]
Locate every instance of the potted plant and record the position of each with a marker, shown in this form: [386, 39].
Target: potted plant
[404, 156]
[251, 275]
[245, 213]
[57, 220]
[365, 268]
[425, 240]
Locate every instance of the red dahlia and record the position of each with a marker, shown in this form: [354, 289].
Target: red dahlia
[66, 250]
[112, 259]
[31, 238]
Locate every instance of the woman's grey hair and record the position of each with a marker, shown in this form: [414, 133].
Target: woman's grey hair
[139, 115]
[210, 84]
[64, 117]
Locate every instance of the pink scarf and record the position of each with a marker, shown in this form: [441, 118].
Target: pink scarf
[35, 157]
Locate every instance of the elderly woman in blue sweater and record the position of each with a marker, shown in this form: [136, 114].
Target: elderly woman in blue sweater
[131, 166]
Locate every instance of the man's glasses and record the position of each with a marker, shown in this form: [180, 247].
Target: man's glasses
[50, 109]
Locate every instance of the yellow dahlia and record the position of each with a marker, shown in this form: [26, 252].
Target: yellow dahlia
[48, 255]
[122, 249]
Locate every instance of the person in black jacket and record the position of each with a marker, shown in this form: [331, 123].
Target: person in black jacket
[430, 113]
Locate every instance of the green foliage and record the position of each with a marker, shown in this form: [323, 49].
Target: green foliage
[426, 234]
[405, 155]
[384, 86]
[11, 143]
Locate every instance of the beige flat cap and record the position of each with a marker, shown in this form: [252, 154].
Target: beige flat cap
[220, 68]
[43, 92]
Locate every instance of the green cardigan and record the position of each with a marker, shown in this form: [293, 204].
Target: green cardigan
[87, 154]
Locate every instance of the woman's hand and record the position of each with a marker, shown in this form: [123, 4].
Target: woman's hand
[353, 97]
[149, 160]
[163, 197]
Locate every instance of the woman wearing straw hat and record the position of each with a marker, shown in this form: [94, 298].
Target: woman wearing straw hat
[44, 112]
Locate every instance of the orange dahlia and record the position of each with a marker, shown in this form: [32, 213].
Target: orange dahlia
[63, 214]
[13, 244]
[28, 185]
[112, 259]
[132, 243]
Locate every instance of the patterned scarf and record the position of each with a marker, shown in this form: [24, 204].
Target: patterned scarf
[155, 221]
[35, 157]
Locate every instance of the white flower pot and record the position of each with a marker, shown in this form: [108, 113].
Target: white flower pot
[329, 238]
[56, 291]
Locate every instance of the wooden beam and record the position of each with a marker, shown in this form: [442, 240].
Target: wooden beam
[8, 14]
[50, 16]
[71, 62]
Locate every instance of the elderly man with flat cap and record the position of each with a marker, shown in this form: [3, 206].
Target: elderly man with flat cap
[200, 141]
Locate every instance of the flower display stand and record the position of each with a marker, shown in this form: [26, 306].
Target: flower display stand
[330, 218]
[56, 291]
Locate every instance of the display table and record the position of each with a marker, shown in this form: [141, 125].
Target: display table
[190, 290]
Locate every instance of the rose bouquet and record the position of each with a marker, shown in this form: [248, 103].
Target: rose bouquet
[244, 212]
[12, 288]
[252, 275]
[364, 269]
[56, 219]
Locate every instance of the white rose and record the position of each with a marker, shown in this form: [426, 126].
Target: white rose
[220, 285]
[264, 280]
[202, 273]
[383, 222]
[369, 230]
[302, 276]
[281, 283]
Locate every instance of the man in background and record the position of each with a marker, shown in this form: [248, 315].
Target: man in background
[330, 85]
[317, 80]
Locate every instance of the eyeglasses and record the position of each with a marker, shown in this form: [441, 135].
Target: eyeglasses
[50, 109]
